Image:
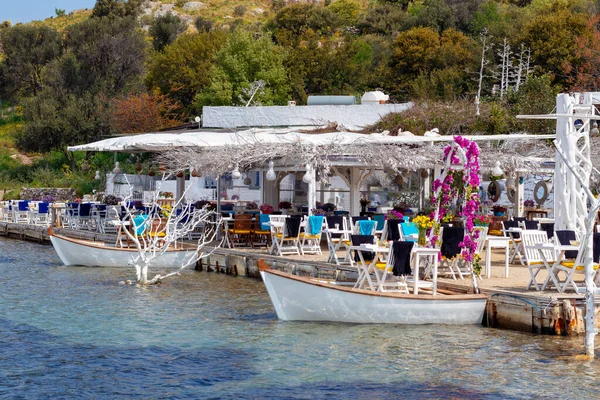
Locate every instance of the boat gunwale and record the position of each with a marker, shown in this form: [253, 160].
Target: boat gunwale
[311, 281]
[100, 245]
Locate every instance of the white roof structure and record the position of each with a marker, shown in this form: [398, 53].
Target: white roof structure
[157, 142]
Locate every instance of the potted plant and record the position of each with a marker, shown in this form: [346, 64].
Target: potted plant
[364, 202]
[284, 206]
[423, 222]
[482, 220]
[529, 203]
[394, 215]
[499, 210]
[251, 206]
[266, 208]
[318, 211]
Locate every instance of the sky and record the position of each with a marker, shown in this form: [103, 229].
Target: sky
[28, 10]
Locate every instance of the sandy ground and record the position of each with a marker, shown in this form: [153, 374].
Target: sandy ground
[516, 282]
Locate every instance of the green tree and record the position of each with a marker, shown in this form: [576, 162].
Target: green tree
[184, 68]
[203, 24]
[243, 60]
[537, 95]
[105, 55]
[384, 19]
[346, 10]
[27, 50]
[437, 15]
[429, 65]
[551, 37]
[102, 57]
[293, 21]
[165, 29]
[116, 8]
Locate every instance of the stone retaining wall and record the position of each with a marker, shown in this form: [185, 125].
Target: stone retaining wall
[60, 194]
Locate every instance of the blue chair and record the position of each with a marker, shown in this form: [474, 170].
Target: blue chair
[407, 229]
[380, 219]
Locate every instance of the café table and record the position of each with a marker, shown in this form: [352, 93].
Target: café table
[365, 269]
[496, 242]
[334, 245]
[552, 265]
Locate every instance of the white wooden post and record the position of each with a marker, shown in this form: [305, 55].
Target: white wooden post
[519, 196]
[179, 189]
[354, 191]
[312, 188]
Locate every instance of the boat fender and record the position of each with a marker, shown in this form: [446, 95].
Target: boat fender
[294, 269]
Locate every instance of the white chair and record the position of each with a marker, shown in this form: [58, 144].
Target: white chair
[21, 212]
[284, 240]
[40, 213]
[311, 237]
[395, 283]
[568, 267]
[533, 256]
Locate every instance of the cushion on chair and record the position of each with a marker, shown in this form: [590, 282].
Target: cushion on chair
[393, 232]
[402, 251]
[451, 237]
[512, 224]
[564, 237]
[357, 240]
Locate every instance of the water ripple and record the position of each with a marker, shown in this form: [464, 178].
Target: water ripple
[76, 333]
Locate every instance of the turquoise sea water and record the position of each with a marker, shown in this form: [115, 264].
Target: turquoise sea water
[70, 332]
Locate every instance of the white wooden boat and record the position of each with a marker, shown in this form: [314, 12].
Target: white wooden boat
[98, 254]
[298, 298]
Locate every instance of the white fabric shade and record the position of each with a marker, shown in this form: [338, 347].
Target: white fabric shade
[156, 142]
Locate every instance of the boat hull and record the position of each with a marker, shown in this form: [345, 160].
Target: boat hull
[93, 254]
[301, 299]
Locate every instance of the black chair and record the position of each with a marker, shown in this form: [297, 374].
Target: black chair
[401, 257]
[534, 225]
[564, 237]
[357, 240]
[451, 237]
[393, 229]
[332, 221]
[519, 219]
[512, 224]
[548, 227]
[596, 252]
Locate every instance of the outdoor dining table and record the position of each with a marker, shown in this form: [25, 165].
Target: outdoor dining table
[279, 228]
[335, 247]
[55, 213]
[516, 246]
[496, 242]
[559, 251]
[226, 222]
[365, 269]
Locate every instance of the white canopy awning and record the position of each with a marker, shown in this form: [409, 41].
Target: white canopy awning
[157, 142]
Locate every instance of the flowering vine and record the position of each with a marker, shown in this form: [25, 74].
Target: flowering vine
[465, 152]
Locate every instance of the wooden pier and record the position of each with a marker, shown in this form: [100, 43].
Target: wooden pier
[510, 306]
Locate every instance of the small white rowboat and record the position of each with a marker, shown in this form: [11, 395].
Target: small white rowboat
[97, 254]
[298, 298]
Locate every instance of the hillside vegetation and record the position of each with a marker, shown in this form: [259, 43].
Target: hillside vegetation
[138, 66]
